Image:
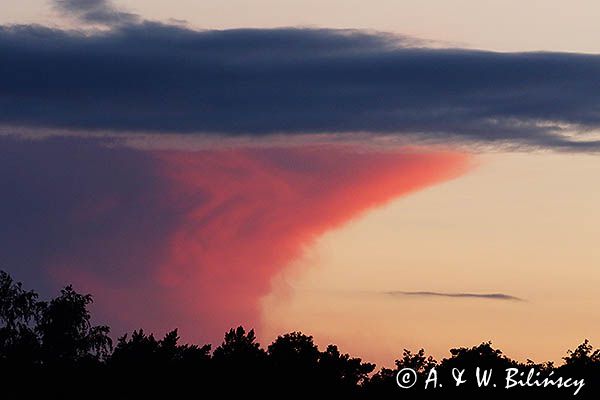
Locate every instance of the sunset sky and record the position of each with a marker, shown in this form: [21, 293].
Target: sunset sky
[382, 175]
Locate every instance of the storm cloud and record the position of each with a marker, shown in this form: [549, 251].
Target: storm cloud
[187, 239]
[152, 77]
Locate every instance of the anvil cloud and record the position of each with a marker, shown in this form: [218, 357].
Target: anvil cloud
[152, 77]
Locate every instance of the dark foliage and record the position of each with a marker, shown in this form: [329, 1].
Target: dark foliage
[51, 350]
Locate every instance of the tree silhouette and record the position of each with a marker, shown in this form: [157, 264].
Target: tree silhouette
[55, 345]
[19, 345]
[342, 372]
[143, 365]
[296, 358]
[239, 348]
[239, 363]
[294, 351]
[66, 333]
[143, 351]
[139, 351]
[384, 381]
[583, 356]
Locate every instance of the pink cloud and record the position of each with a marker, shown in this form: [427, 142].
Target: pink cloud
[257, 209]
[192, 239]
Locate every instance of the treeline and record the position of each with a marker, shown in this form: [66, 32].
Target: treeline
[50, 349]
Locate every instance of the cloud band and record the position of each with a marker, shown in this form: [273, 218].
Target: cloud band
[150, 77]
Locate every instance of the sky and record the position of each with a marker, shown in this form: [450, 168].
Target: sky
[382, 176]
[503, 25]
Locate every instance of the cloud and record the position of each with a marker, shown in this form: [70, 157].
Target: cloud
[187, 239]
[489, 296]
[152, 77]
[95, 11]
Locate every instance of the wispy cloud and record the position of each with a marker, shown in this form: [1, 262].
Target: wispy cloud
[489, 296]
[95, 11]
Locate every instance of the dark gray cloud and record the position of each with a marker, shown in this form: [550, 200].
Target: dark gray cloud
[152, 77]
[95, 11]
[78, 209]
[490, 296]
